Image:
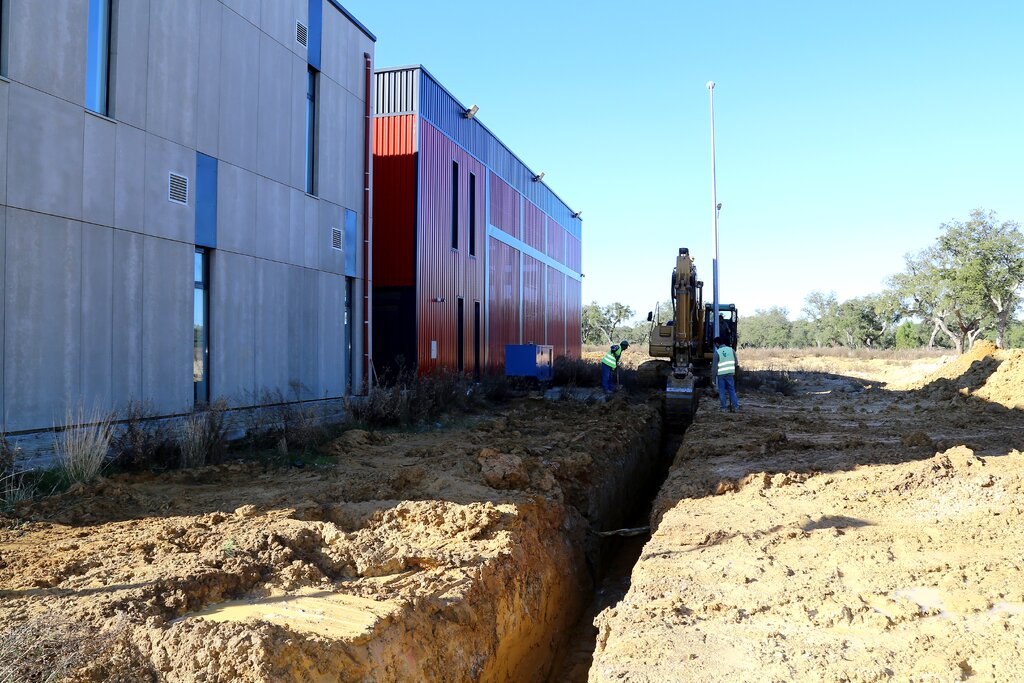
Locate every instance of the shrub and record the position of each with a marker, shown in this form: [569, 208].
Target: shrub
[141, 441]
[83, 445]
[203, 436]
[576, 372]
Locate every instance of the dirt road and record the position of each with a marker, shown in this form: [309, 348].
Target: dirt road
[849, 532]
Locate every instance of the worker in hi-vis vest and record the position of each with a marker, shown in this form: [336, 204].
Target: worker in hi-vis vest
[726, 372]
[610, 363]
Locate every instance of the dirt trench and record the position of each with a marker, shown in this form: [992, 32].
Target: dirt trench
[463, 554]
[849, 531]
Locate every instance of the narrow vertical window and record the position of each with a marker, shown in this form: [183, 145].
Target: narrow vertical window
[201, 328]
[472, 214]
[455, 205]
[4, 39]
[311, 131]
[97, 61]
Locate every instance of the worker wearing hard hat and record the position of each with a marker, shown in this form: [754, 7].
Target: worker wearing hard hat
[726, 372]
[610, 363]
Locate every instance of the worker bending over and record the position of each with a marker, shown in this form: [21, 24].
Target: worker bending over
[610, 363]
[726, 358]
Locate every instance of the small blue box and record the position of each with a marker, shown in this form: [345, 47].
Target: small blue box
[530, 360]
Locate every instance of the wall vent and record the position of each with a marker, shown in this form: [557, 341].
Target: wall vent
[177, 188]
[335, 239]
[301, 34]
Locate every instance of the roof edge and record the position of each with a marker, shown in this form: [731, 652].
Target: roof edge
[352, 18]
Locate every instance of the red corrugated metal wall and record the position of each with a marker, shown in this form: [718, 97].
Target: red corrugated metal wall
[556, 241]
[502, 301]
[572, 253]
[573, 318]
[533, 226]
[504, 206]
[394, 201]
[533, 301]
[443, 272]
[556, 310]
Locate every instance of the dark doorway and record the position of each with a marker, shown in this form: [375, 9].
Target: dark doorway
[460, 325]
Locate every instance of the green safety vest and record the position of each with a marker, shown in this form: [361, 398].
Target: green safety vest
[611, 359]
[726, 361]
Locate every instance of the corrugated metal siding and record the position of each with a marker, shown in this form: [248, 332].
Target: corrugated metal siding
[505, 202]
[573, 256]
[556, 241]
[502, 301]
[394, 201]
[533, 301]
[556, 310]
[533, 226]
[397, 92]
[573, 318]
[443, 272]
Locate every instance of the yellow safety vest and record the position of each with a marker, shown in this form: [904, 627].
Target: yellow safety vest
[726, 361]
[611, 359]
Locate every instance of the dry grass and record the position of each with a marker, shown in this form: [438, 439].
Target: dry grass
[842, 352]
[48, 648]
[83, 445]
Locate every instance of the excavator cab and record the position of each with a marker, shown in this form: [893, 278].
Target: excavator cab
[728, 317]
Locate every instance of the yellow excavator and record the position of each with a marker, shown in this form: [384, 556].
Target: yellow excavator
[687, 340]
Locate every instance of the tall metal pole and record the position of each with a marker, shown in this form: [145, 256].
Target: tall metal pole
[714, 207]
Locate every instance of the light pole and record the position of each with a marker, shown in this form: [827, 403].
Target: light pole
[715, 206]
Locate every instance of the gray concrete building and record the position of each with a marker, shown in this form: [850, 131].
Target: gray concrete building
[183, 203]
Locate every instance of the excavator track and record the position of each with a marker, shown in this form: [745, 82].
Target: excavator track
[680, 402]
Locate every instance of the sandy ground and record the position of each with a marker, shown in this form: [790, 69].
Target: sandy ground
[449, 555]
[866, 528]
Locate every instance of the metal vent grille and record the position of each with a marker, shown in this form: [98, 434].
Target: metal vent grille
[335, 239]
[301, 34]
[177, 188]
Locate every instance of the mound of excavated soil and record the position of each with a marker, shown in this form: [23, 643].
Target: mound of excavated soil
[834, 536]
[449, 555]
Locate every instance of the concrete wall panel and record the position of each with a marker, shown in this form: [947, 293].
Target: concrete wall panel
[248, 9]
[298, 80]
[273, 218]
[129, 178]
[42, 334]
[5, 92]
[275, 110]
[333, 154]
[272, 327]
[296, 227]
[352, 180]
[331, 330]
[97, 315]
[328, 259]
[165, 218]
[3, 298]
[99, 170]
[236, 209]
[303, 319]
[172, 83]
[48, 44]
[336, 45]
[168, 286]
[239, 92]
[45, 146]
[130, 62]
[233, 327]
[208, 95]
[277, 19]
[312, 232]
[127, 298]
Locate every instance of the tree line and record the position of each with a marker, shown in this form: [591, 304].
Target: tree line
[967, 285]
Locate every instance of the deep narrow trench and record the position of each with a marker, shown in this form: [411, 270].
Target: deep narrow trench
[618, 556]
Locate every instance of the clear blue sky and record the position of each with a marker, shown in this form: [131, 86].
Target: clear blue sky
[846, 132]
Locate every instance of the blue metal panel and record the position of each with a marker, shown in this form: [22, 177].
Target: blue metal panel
[315, 33]
[351, 242]
[206, 201]
[529, 360]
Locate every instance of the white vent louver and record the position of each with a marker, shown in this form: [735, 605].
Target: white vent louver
[335, 239]
[301, 34]
[177, 188]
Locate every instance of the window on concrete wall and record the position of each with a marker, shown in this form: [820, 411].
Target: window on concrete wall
[455, 205]
[311, 102]
[201, 328]
[97, 61]
[4, 41]
[472, 214]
